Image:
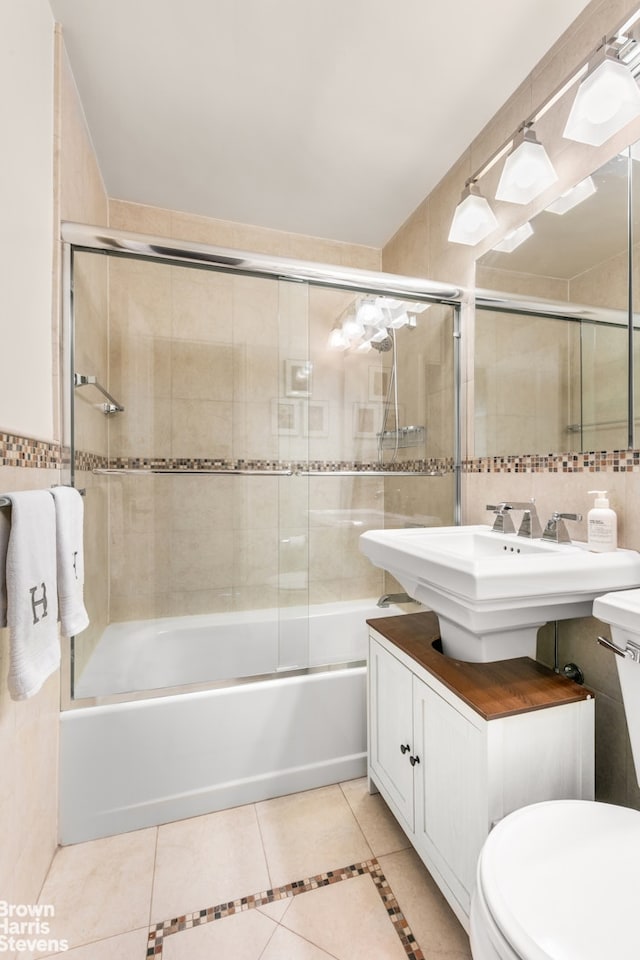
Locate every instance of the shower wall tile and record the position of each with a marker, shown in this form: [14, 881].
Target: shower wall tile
[201, 561]
[139, 563]
[190, 603]
[144, 429]
[293, 501]
[255, 428]
[202, 305]
[140, 367]
[260, 597]
[140, 298]
[255, 502]
[255, 557]
[201, 370]
[257, 377]
[199, 503]
[255, 311]
[201, 428]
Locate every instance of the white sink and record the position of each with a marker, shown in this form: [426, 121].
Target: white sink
[493, 591]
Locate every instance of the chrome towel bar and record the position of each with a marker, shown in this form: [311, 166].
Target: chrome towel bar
[111, 406]
[149, 471]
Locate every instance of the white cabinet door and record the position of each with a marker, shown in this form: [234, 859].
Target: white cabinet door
[451, 788]
[391, 728]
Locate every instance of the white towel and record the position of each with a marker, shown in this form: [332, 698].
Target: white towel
[32, 597]
[70, 560]
[5, 526]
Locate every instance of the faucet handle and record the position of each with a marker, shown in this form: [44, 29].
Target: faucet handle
[556, 530]
[503, 522]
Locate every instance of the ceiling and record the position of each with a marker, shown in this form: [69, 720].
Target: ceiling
[332, 118]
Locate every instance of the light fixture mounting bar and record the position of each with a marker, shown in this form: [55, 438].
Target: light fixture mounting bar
[553, 98]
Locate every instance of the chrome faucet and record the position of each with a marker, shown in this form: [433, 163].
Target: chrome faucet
[530, 525]
[556, 529]
[388, 598]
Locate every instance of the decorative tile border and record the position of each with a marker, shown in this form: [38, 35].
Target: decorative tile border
[16, 451]
[160, 931]
[616, 461]
[91, 461]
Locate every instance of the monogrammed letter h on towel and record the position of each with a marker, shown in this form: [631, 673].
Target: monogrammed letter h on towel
[30, 588]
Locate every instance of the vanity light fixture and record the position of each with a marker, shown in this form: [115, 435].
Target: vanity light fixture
[514, 239]
[473, 219]
[607, 99]
[527, 171]
[571, 198]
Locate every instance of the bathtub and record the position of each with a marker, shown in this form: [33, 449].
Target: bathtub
[151, 654]
[139, 763]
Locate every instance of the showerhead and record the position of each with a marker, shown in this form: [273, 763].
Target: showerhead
[382, 346]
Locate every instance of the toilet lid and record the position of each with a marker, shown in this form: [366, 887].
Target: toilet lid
[562, 880]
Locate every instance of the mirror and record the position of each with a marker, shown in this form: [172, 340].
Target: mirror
[552, 354]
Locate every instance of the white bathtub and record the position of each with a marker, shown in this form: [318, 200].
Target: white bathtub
[151, 654]
[135, 764]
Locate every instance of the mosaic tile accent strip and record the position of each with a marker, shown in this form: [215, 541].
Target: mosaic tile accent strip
[616, 461]
[160, 931]
[89, 461]
[16, 451]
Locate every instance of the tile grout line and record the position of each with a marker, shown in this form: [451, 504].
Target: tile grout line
[153, 873]
[160, 931]
[264, 849]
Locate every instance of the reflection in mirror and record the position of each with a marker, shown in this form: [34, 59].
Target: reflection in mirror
[552, 376]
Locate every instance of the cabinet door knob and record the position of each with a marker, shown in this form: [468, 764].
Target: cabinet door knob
[414, 760]
[404, 748]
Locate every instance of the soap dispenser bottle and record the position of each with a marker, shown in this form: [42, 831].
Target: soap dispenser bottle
[602, 525]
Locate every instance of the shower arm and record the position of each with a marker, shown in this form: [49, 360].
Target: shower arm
[111, 406]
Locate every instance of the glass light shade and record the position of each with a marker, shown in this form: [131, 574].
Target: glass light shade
[351, 328]
[368, 313]
[338, 340]
[607, 99]
[571, 198]
[515, 238]
[527, 172]
[473, 220]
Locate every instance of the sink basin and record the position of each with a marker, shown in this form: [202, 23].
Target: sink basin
[493, 591]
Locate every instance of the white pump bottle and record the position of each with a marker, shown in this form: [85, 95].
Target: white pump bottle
[602, 525]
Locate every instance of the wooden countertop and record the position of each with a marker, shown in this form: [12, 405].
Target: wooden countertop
[498, 689]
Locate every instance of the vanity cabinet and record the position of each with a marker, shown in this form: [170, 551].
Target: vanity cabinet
[455, 746]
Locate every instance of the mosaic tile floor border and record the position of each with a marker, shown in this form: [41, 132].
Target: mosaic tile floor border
[160, 931]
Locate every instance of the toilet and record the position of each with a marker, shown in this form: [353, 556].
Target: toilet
[560, 880]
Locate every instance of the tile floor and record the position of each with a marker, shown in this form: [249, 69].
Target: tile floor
[321, 875]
